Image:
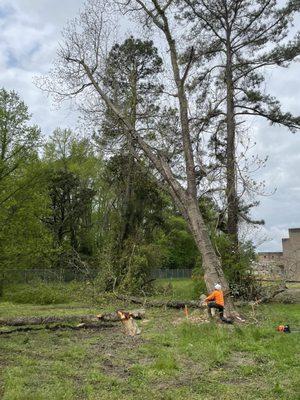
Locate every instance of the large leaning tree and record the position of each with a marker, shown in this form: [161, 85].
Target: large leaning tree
[235, 42]
[80, 72]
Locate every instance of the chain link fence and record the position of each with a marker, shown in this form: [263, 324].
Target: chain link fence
[47, 275]
[172, 273]
[68, 275]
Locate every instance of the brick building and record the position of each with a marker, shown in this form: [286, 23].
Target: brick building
[282, 264]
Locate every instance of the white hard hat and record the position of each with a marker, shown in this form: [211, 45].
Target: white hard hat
[217, 286]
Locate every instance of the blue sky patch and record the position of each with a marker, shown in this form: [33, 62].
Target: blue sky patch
[6, 10]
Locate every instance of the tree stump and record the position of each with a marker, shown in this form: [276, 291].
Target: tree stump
[130, 326]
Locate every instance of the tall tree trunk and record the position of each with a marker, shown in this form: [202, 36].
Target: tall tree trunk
[231, 191]
[213, 272]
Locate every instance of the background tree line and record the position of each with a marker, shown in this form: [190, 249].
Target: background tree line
[65, 205]
[169, 159]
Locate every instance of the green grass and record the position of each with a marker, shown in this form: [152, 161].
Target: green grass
[179, 288]
[167, 362]
[295, 285]
[41, 293]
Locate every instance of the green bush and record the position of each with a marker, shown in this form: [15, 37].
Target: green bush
[138, 263]
[238, 267]
[199, 286]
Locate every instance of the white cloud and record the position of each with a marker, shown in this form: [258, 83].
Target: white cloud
[30, 31]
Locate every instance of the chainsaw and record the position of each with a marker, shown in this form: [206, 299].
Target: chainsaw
[286, 329]
[283, 328]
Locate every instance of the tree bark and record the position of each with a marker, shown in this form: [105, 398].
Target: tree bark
[213, 272]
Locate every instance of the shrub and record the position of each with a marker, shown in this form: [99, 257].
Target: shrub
[199, 286]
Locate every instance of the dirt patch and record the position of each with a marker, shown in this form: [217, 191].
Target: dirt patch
[189, 373]
[113, 367]
[117, 352]
[240, 359]
[3, 364]
[191, 320]
[194, 317]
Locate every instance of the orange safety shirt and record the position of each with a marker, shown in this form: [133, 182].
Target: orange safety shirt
[217, 296]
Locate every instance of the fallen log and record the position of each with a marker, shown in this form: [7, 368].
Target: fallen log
[59, 327]
[178, 304]
[85, 319]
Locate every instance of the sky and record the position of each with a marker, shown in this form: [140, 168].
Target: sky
[30, 33]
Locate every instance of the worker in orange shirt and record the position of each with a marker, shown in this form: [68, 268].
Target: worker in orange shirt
[216, 300]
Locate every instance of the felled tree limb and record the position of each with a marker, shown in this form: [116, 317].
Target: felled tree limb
[58, 327]
[85, 319]
[178, 304]
[264, 299]
[267, 298]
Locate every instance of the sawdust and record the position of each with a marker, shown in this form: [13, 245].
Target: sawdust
[194, 318]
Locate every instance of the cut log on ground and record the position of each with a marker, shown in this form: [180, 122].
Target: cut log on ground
[85, 319]
[178, 304]
[59, 327]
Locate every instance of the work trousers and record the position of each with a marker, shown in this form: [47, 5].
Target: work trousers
[213, 304]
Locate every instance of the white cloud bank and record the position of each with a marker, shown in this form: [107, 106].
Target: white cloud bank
[30, 32]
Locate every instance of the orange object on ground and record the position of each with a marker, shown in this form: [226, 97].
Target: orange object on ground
[217, 296]
[283, 328]
[280, 328]
[186, 311]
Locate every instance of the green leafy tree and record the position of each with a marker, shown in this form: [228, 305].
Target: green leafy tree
[23, 238]
[131, 80]
[18, 141]
[73, 183]
[133, 234]
[25, 242]
[176, 243]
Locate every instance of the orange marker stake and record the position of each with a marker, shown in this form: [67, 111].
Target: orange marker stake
[186, 311]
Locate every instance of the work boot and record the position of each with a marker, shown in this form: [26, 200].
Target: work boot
[209, 313]
[226, 321]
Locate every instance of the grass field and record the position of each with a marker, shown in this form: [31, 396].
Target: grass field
[172, 359]
[177, 288]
